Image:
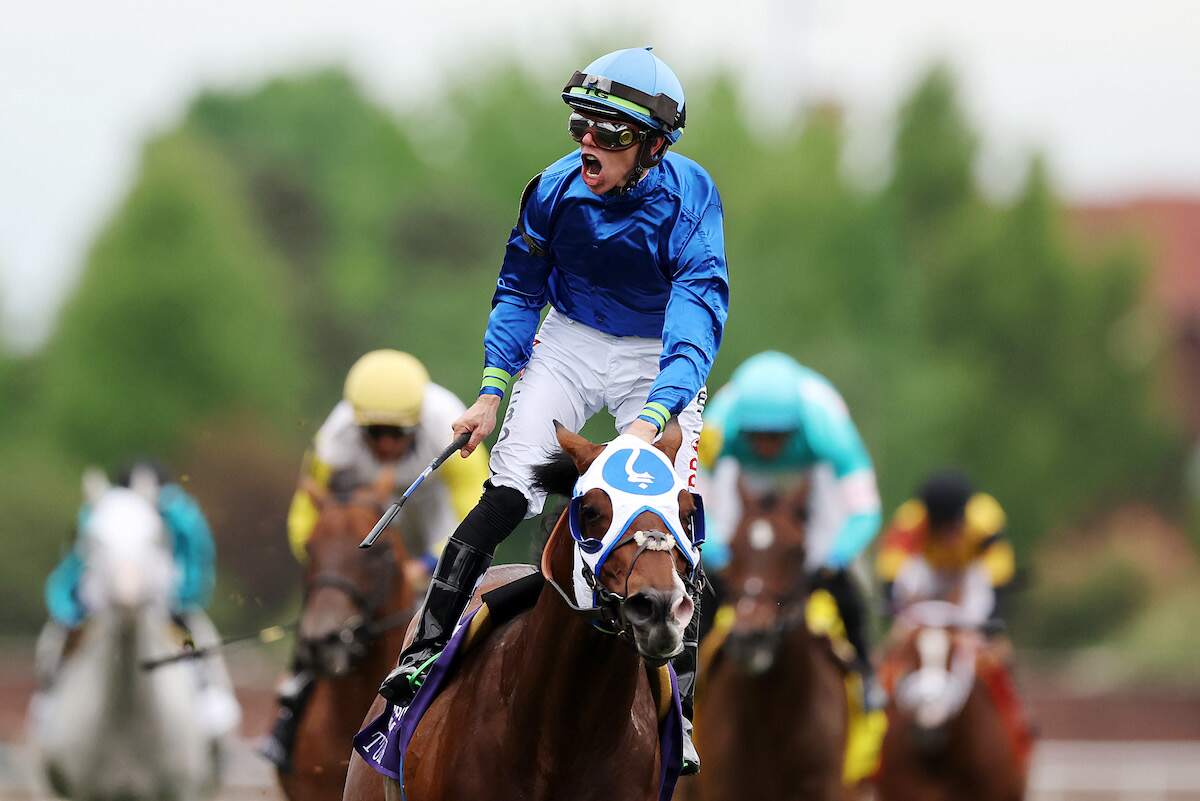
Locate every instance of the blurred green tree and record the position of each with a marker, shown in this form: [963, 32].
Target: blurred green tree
[182, 313]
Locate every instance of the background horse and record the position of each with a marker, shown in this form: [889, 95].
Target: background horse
[945, 740]
[549, 707]
[356, 607]
[111, 729]
[771, 715]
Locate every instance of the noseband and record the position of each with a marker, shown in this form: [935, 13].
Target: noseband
[609, 615]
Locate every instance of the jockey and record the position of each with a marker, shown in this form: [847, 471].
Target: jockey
[625, 242]
[191, 544]
[947, 544]
[776, 423]
[389, 425]
[194, 559]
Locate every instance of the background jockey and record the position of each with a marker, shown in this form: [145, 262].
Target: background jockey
[947, 544]
[194, 555]
[776, 423]
[390, 424]
[625, 241]
[191, 545]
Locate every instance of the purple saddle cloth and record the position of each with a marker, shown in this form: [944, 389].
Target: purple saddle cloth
[384, 741]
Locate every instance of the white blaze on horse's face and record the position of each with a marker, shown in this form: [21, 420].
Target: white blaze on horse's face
[937, 690]
[125, 551]
[762, 535]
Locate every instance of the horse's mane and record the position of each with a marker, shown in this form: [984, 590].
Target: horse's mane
[557, 475]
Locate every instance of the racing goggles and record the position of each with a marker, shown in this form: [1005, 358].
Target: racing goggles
[378, 432]
[606, 134]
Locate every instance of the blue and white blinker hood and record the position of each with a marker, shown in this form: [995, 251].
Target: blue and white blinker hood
[637, 477]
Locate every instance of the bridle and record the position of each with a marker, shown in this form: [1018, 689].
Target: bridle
[792, 602]
[363, 628]
[608, 616]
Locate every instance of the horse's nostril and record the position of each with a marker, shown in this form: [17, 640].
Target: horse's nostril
[645, 607]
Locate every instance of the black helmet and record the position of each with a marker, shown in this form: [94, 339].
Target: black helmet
[945, 495]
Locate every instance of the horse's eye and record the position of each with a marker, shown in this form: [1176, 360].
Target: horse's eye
[590, 514]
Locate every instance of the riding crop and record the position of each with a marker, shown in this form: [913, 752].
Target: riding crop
[268, 635]
[394, 509]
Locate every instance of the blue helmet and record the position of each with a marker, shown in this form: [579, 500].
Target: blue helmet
[634, 84]
[768, 391]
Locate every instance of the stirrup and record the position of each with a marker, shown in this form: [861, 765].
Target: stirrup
[402, 684]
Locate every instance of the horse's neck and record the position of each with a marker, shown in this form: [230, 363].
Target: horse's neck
[121, 642]
[794, 673]
[575, 686]
[568, 664]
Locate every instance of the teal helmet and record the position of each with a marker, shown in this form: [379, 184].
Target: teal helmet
[633, 84]
[768, 392]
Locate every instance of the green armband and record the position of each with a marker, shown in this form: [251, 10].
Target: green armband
[495, 382]
[657, 414]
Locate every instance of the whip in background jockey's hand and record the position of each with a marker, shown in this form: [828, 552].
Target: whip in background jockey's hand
[479, 421]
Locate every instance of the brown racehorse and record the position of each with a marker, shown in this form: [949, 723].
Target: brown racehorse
[771, 715]
[548, 707]
[945, 740]
[356, 607]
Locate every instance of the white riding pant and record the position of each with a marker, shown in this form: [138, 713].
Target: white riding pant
[971, 589]
[575, 372]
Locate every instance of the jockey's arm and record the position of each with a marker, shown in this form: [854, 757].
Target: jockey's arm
[194, 549]
[61, 599]
[695, 319]
[986, 516]
[836, 440]
[303, 513]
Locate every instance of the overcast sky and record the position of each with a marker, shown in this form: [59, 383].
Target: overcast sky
[1111, 91]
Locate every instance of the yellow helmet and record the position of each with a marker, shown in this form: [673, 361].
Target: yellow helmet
[387, 388]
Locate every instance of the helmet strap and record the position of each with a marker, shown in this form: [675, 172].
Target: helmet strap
[646, 159]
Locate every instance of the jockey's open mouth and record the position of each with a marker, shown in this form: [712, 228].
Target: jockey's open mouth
[593, 168]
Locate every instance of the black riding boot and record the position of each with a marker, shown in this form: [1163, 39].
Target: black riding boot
[848, 595]
[686, 669]
[276, 747]
[454, 579]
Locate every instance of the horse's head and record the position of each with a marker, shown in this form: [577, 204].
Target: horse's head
[125, 546]
[766, 578]
[345, 586]
[632, 538]
[932, 665]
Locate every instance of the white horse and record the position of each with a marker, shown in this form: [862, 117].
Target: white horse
[111, 730]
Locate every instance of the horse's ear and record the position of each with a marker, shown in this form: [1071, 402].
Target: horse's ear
[671, 440]
[95, 483]
[581, 450]
[144, 482]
